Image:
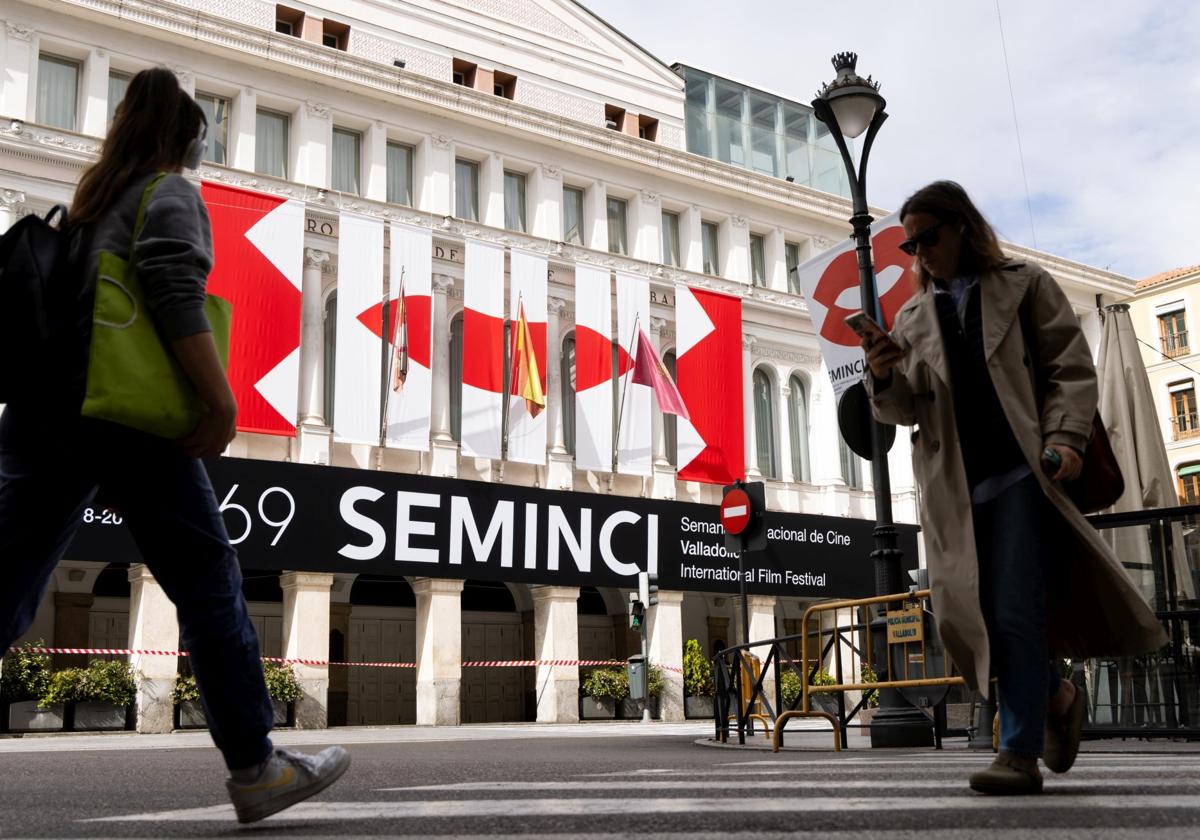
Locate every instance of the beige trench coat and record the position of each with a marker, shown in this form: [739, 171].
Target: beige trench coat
[1097, 612]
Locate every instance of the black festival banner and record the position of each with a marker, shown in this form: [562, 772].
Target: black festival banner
[299, 517]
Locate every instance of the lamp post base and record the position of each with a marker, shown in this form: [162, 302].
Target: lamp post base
[901, 727]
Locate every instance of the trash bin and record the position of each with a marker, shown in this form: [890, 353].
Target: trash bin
[635, 668]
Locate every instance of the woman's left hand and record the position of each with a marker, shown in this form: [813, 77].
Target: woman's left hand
[1072, 463]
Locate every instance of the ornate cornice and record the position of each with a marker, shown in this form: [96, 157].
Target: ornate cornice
[18, 31]
[314, 258]
[12, 199]
[441, 141]
[316, 110]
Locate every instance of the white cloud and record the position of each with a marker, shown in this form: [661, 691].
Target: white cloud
[1105, 96]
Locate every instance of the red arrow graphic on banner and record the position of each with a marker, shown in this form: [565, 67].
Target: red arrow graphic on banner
[419, 324]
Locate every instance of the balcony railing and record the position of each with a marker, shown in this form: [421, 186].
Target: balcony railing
[1175, 344]
[1184, 426]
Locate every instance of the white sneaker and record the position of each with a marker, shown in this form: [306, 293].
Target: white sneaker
[288, 778]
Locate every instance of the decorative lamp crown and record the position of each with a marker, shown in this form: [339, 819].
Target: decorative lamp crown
[854, 100]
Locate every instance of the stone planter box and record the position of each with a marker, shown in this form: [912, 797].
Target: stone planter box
[25, 716]
[629, 709]
[865, 716]
[283, 712]
[592, 709]
[89, 714]
[699, 707]
[190, 715]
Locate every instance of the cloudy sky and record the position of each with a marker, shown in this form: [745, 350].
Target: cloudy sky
[1107, 99]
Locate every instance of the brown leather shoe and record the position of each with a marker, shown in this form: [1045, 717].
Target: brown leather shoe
[1062, 736]
[1007, 777]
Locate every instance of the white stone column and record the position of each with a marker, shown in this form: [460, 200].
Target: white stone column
[375, 162]
[749, 342]
[734, 237]
[491, 191]
[665, 635]
[187, 79]
[645, 226]
[762, 626]
[691, 248]
[314, 139]
[776, 260]
[242, 126]
[556, 636]
[561, 466]
[439, 651]
[662, 482]
[306, 598]
[313, 436]
[11, 202]
[433, 170]
[95, 94]
[19, 63]
[785, 431]
[595, 216]
[445, 448]
[152, 626]
[545, 196]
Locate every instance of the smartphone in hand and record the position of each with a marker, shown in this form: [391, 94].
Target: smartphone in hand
[865, 327]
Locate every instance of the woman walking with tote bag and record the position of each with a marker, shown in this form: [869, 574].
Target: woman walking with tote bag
[53, 459]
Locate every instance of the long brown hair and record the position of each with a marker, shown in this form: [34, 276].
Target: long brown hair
[949, 203]
[151, 131]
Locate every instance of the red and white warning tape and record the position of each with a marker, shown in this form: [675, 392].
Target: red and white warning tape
[499, 663]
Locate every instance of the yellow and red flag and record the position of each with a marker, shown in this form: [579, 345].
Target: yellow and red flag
[526, 379]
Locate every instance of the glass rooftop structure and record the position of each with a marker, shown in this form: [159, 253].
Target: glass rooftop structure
[759, 131]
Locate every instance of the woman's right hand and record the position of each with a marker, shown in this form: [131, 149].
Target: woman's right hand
[883, 354]
[212, 434]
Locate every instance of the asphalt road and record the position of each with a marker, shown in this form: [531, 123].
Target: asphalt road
[585, 781]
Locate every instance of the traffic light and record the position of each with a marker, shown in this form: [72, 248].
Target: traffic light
[648, 588]
[637, 612]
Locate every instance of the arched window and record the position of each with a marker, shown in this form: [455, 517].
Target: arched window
[670, 424]
[851, 465]
[764, 424]
[456, 376]
[330, 350]
[568, 393]
[798, 428]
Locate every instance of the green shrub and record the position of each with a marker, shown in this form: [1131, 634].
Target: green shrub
[185, 689]
[697, 672]
[108, 681]
[281, 682]
[606, 684]
[869, 676]
[63, 687]
[789, 684]
[655, 681]
[26, 674]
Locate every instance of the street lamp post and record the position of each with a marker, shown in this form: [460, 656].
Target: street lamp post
[851, 105]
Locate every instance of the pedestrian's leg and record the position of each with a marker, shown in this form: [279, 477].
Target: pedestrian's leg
[42, 498]
[172, 513]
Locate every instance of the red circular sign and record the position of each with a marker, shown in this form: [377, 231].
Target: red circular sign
[735, 511]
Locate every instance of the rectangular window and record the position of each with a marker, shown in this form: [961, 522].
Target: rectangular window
[57, 91]
[334, 34]
[271, 143]
[347, 160]
[1189, 486]
[118, 83]
[758, 260]
[616, 227]
[288, 21]
[708, 241]
[466, 190]
[791, 256]
[216, 111]
[572, 215]
[399, 173]
[1172, 332]
[514, 201]
[670, 238]
[1183, 412]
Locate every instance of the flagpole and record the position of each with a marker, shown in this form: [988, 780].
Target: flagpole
[506, 401]
[621, 411]
[390, 336]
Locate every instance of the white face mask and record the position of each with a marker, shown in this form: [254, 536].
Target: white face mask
[196, 149]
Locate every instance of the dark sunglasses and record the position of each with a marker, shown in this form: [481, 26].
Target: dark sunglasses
[928, 237]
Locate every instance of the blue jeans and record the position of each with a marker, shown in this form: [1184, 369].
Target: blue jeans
[1015, 536]
[50, 469]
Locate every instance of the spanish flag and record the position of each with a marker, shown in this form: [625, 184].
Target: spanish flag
[526, 379]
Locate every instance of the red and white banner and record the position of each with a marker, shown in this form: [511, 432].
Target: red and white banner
[635, 401]
[358, 367]
[258, 252]
[410, 383]
[830, 284]
[527, 288]
[708, 359]
[483, 349]
[593, 369]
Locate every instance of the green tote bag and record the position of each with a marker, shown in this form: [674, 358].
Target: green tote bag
[133, 378]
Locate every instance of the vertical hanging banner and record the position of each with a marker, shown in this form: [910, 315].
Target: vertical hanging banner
[711, 445]
[593, 369]
[528, 362]
[258, 252]
[634, 400]
[409, 386]
[831, 287]
[357, 375]
[483, 349]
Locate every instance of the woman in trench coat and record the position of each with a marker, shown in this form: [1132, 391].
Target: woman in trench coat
[1019, 577]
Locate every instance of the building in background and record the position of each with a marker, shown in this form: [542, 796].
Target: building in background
[508, 145]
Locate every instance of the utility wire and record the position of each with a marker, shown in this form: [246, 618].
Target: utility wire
[1016, 125]
[1168, 358]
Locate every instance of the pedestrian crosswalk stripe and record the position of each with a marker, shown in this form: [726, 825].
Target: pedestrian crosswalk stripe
[889, 784]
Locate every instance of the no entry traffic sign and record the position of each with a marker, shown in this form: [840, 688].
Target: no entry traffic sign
[735, 511]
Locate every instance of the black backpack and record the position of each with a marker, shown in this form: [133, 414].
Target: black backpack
[35, 287]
